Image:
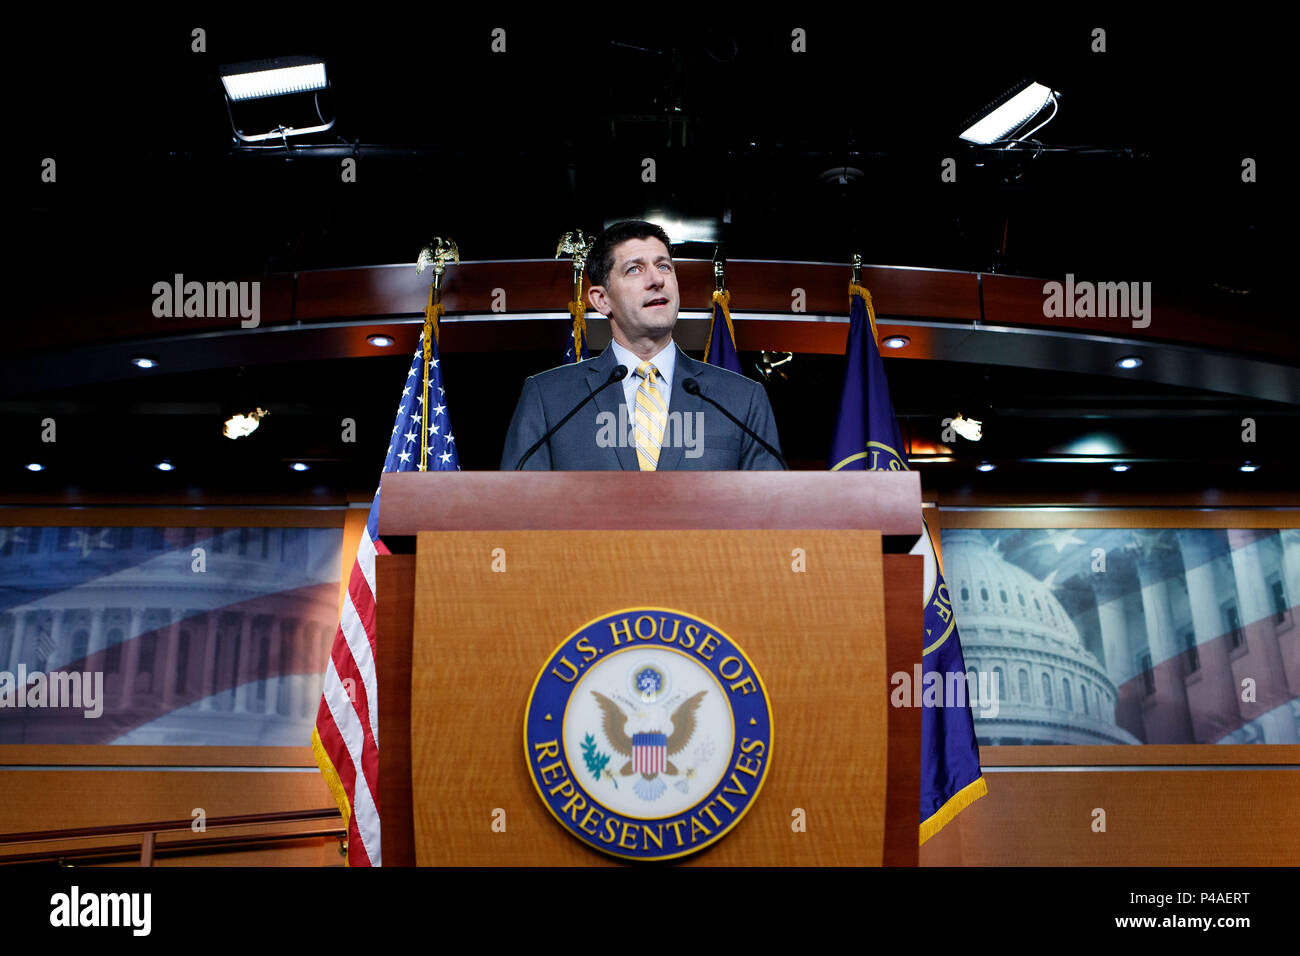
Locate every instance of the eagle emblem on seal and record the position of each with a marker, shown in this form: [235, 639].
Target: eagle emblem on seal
[648, 750]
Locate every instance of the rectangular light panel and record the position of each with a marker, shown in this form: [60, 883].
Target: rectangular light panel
[1011, 115]
[277, 77]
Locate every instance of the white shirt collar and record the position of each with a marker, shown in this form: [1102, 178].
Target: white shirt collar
[664, 361]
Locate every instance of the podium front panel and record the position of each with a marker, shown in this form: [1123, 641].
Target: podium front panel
[806, 607]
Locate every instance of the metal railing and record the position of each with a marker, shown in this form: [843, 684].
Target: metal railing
[149, 847]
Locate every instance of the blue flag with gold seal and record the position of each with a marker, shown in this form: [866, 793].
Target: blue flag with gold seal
[867, 438]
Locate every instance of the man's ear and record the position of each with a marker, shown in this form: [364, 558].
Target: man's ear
[599, 299]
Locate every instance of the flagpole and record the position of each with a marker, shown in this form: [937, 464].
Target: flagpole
[437, 252]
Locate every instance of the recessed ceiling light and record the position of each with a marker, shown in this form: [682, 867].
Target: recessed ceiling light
[1248, 466]
[895, 341]
[165, 466]
[34, 466]
[1119, 467]
[985, 466]
[1128, 361]
[380, 341]
[300, 466]
[144, 361]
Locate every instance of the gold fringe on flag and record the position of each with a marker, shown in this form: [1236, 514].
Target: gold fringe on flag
[337, 791]
[721, 297]
[871, 311]
[958, 802]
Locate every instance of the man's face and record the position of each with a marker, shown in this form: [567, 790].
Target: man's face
[640, 296]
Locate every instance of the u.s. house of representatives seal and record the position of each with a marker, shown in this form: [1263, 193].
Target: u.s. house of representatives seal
[648, 733]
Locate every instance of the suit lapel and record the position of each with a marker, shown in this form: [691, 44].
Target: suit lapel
[609, 400]
[682, 402]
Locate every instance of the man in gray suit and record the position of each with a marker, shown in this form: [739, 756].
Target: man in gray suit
[648, 421]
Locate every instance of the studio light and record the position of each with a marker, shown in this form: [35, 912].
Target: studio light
[1128, 361]
[769, 362]
[1010, 113]
[165, 466]
[1249, 467]
[34, 466]
[284, 76]
[237, 425]
[144, 361]
[895, 341]
[258, 79]
[985, 466]
[380, 341]
[300, 466]
[1119, 467]
[967, 428]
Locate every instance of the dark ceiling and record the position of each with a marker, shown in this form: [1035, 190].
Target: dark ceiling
[504, 151]
[1138, 178]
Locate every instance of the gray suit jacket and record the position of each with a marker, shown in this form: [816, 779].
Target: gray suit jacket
[596, 439]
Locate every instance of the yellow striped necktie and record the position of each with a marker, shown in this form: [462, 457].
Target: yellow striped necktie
[651, 417]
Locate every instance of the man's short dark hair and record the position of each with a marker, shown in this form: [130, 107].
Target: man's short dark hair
[600, 261]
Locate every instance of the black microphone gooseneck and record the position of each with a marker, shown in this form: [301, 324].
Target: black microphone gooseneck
[617, 375]
[692, 387]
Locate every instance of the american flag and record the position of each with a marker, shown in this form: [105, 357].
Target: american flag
[346, 738]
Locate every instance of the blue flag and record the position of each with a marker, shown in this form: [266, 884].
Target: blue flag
[867, 438]
[721, 348]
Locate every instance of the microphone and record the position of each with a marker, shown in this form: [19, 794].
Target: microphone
[692, 387]
[617, 375]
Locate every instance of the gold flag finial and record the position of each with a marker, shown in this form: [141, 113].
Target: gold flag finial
[574, 243]
[857, 269]
[438, 252]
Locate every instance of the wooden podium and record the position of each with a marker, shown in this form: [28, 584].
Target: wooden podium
[506, 566]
